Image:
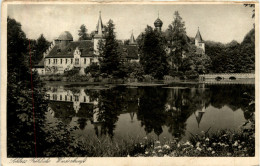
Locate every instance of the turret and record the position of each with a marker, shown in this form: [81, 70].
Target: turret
[98, 33]
[199, 41]
[158, 24]
[132, 39]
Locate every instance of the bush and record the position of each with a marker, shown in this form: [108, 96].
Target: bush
[148, 78]
[191, 74]
[93, 69]
[134, 70]
[168, 78]
[175, 73]
[72, 72]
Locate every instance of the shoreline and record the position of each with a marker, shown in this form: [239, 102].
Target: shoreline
[141, 84]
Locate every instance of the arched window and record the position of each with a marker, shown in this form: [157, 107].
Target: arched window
[232, 78]
[218, 78]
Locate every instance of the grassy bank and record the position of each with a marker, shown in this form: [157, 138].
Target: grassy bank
[225, 143]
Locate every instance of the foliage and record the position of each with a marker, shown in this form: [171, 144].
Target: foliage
[222, 144]
[83, 35]
[110, 61]
[152, 53]
[126, 42]
[178, 40]
[93, 69]
[38, 47]
[233, 57]
[23, 112]
[134, 70]
[72, 72]
[248, 52]
[196, 62]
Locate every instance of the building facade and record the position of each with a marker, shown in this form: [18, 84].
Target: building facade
[65, 54]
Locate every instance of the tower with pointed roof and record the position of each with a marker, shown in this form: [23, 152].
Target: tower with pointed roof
[158, 24]
[99, 34]
[199, 41]
[132, 39]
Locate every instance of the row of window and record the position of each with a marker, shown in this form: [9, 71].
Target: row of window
[55, 61]
[55, 97]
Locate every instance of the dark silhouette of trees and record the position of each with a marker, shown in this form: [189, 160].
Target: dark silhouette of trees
[110, 61]
[178, 41]
[20, 115]
[152, 53]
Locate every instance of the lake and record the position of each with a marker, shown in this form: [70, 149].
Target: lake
[162, 111]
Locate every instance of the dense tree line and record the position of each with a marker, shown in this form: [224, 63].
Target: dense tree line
[173, 53]
[233, 57]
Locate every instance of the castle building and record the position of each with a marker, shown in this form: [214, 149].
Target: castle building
[199, 41]
[64, 53]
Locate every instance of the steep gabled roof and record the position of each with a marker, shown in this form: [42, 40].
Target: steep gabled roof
[86, 46]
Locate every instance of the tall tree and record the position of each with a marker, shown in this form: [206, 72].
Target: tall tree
[178, 40]
[152, 53]
[20, 116]
[110, 60]
[41, 46]
[83, 33]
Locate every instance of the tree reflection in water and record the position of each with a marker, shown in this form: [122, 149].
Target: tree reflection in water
[154, 107]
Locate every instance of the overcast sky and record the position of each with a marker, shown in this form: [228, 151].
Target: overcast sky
[222, 23]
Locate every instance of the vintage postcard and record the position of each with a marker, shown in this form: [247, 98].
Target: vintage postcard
[129, 83]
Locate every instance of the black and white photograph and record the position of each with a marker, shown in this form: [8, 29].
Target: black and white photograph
[130, 80]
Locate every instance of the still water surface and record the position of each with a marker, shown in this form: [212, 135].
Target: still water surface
[168, 111]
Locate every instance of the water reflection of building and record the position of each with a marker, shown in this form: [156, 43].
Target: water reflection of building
[175, 100]
[97, 106]
[77, 97]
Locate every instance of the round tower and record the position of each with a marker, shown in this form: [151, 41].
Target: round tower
[64, 39]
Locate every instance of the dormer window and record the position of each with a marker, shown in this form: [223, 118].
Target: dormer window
[58, 50]
[69, 50]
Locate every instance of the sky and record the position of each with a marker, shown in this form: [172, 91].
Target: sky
[220, 23]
